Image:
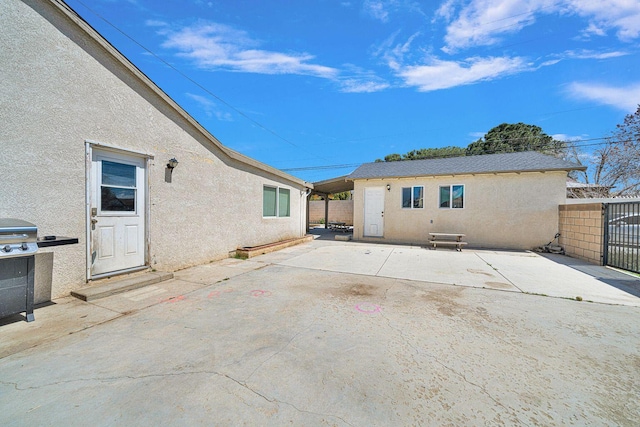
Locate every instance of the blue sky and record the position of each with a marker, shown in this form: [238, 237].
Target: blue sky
[307, 85]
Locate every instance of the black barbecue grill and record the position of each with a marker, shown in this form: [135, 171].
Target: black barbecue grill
[18, 245]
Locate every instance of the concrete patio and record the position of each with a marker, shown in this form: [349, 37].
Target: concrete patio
[333, 333]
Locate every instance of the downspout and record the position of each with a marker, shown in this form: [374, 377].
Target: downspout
[306, 195]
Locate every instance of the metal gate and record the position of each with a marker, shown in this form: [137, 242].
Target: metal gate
[622, 235]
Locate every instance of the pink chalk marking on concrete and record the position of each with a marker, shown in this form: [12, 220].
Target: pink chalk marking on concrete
[174, 299]
[368, 308]
[214, 294]
[260, 293]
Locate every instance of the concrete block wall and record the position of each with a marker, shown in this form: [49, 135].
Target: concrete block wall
[581, 231]
[339, 211]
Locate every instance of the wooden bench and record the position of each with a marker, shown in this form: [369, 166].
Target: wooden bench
[454, 239]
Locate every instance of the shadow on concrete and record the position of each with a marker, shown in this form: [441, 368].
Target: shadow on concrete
[625, 282]
[19, 317]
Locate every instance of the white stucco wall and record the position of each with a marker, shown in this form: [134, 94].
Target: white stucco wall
[59, 89]
[511, 211]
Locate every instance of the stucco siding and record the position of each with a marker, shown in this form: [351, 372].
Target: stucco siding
[512, 211]
[60, 89]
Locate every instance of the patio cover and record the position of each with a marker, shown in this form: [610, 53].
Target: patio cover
[333, 185]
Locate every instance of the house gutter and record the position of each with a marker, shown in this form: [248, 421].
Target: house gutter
[432, 175]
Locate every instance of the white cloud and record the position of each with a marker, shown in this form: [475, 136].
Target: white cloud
[217, 46]
[590, 54]
[377, 9]
[394, 55]
[361, 86]
[383, 9]
[358, 80]
[550, 62]
[567, 138]
[210, 108]
[623, 16]
[446, 10]
[484, 22]
[155, 23]
[221, 47]
[625, 98]
[582, 54]
[439, 74]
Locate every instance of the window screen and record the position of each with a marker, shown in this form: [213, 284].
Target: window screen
[283, 202]
[269, 201]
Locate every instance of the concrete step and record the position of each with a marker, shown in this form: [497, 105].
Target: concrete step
[115, 286]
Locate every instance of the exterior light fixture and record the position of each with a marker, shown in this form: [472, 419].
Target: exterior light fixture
[169, 170]
[388, 187]
[172, 163]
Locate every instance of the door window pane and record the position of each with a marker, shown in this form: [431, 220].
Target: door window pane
[118, 199]
[118, 174]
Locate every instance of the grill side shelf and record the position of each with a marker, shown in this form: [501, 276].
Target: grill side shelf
[58, 241]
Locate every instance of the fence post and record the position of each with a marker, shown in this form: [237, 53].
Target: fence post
[605, 236]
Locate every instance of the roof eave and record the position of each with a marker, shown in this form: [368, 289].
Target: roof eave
[115, 53]
[582, 168]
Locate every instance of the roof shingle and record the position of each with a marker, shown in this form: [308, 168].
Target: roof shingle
[528, 161]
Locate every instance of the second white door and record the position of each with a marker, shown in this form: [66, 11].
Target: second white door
[374, 211]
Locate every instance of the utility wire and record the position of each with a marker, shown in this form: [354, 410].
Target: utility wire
[194, 82]
[263, 127]
[443, 156]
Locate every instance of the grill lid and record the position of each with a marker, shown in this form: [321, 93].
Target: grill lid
[17, 237]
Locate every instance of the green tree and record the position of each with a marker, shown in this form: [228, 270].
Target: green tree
[390, 158]
[345, 195]
[425, 153]
[433, 153]
[512, 138]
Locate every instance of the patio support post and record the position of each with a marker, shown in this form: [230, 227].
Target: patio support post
[326, 211]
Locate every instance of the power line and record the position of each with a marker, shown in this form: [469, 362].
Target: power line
[309, 168]
[275, 134]
[194, 82]
[352, 165]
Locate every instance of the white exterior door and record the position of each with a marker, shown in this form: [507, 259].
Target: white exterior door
[374, 211]
[117, 212]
